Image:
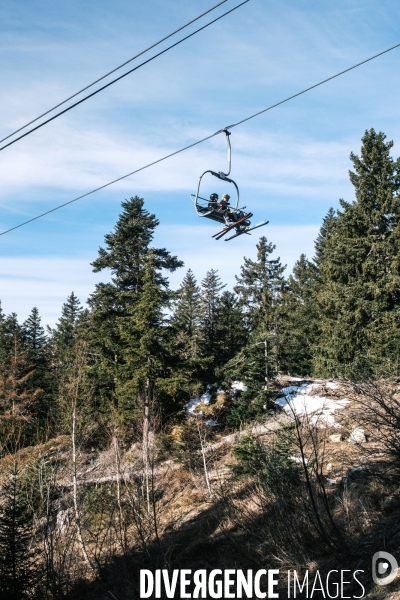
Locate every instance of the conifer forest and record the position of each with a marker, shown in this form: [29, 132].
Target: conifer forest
[148, 429]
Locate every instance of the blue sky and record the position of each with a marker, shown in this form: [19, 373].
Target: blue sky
[291, 164]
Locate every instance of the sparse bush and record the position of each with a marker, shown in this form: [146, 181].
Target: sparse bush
[246, 407]
[268, 464]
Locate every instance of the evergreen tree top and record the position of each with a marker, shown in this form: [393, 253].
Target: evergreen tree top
[304, 273]
[212, 283]
[127, 245]
[65, 330]
[33, 333]
[324, 232]
[186, 313]
[363, 237]
[376, 176]
[260, 276]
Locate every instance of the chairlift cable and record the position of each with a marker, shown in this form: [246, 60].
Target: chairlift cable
[199, 141]
[112, 71]
[120, 77]
[260, 112]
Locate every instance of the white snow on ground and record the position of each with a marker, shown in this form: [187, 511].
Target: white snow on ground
[289, 390]
[239, 386]
[302, 400]
[331, 385]
[195, 402]
[212, 423]
[298, 459]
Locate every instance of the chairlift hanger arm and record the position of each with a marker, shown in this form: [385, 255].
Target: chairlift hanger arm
[228, 141]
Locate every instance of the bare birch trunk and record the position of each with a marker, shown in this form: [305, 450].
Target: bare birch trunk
[146, 417]
[266, 363]
[121, 514]
[74, 391]
[75, 485]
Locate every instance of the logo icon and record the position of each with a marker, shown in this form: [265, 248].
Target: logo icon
[384, 568]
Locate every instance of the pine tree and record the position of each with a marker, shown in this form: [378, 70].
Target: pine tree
[18, 572]
[65, 332]
[260, 284]
[186, 317]
[143, 329]
[359, 293]
[34, 342]
[34, 335]
[37, 356]
[126, 257]
[186, 337]
[231, 330]
[209, 302]
[297, 319]
[10, 330]
[324, 232]
[260, 288]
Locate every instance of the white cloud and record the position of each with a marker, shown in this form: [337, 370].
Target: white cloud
[44, 282]
[282, 165]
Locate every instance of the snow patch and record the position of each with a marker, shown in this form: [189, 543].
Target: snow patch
[239, 386]
[331, 385]
[302, 401]
[212, 423]
[195, 402]
[289, 390]
[298, 459]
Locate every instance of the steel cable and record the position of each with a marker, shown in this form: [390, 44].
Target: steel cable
[202, 140]
[120, 77]
[112, 71]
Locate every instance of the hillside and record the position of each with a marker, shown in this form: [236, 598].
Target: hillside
[250, 507]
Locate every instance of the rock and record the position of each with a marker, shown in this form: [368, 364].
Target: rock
[357, 436]
[356, 472]
[330, 481]
[335, 437]
[391, 503]
[353, 474]
[328, 467]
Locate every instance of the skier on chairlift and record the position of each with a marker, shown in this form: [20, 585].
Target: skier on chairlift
[213, 202]
[230, 215]
[224, 204]
[233, 217]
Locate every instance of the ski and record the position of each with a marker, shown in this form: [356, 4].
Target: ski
[247, 230]
[227, 228]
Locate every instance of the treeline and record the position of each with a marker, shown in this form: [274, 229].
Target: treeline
[141, 344]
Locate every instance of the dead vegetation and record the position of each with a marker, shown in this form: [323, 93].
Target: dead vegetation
[283, 494]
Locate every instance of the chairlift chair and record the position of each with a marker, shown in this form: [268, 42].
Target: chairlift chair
[210, 209]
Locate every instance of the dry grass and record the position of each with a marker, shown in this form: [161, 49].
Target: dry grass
[243, 525]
